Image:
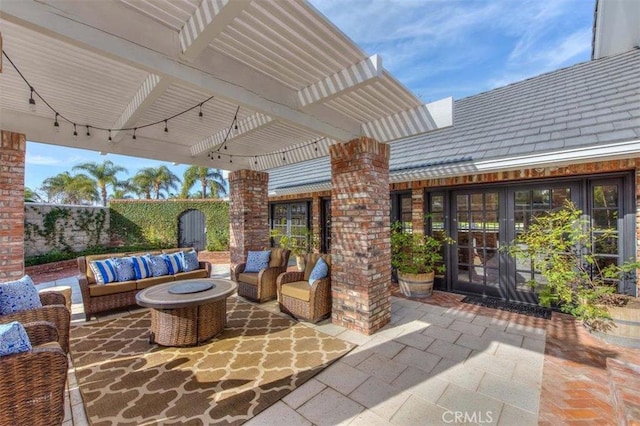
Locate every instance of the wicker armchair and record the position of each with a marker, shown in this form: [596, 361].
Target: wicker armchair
[53, 310]
[261, 286]
[301, 300]
[33, 382]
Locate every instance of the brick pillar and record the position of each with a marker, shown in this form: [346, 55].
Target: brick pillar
[248, 213]
[12, 151]
[417, 210]
[360, 246]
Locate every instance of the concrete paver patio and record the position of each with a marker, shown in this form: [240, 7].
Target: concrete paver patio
[441, 362]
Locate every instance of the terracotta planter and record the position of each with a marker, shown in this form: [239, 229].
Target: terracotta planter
[416, 285]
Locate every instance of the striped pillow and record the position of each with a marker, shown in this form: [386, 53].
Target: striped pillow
[104, 270]
[141, 266]
[174, 262]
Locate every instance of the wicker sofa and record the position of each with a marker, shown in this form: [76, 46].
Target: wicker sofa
[99, 298]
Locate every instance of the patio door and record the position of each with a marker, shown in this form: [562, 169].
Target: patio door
[476, 232]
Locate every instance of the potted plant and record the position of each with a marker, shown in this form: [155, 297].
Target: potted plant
[416, 258]
[299, 243]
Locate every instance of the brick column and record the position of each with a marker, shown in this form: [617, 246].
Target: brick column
[12, 151]
[248, 213]
[417, 210]
[360, 247]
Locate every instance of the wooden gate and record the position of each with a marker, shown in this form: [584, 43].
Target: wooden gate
[192, 230]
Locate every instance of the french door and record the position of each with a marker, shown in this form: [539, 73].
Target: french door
[481, 221]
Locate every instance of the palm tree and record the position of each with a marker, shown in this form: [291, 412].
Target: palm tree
[104, 174]
[31, 196]
[208, 178]
[157, 180]
[142, 183]
[68, 189]
[122, 189]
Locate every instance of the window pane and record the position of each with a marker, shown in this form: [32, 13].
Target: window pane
[605, 219]
[540, 198]
[491, 200]
[559, 196]
[477, 202]
[462, 202]
[437, 203]
[605, 196]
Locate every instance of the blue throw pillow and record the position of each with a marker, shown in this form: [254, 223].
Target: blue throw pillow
[141, 266]
[174, 262]
[18, 296]
[158, 266]
[104, 270]
[124, 268]
[257, 261]
[319, 271]
[190, 261]
[13, 339]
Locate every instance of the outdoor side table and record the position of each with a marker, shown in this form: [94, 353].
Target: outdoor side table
[64, 290]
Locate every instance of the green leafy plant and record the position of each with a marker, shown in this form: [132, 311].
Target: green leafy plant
[416, 253]
[300, 243]
[559, 246]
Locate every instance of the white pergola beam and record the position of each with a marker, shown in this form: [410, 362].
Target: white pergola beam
[246, 126]
[150, 90]
[425, 118]
[342, 82]
[209, 20]
[44, 19]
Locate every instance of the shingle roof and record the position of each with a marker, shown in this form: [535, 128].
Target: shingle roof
[585, 105]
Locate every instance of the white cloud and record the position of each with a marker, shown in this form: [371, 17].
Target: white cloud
[41, 160]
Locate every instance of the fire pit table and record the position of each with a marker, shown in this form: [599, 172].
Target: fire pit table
[187, 312]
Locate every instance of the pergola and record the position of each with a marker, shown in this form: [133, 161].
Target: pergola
[275, 81]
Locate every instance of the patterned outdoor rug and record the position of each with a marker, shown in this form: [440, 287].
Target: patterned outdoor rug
[259, 358]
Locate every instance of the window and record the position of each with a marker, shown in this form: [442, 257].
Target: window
[290, 218]
[401, 210]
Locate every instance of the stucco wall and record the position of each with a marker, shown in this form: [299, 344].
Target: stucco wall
[65, 228]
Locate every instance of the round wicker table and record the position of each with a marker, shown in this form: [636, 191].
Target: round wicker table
[190, 318]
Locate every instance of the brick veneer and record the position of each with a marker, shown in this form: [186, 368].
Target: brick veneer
[360, 209]
[12, 152]
[248, 213]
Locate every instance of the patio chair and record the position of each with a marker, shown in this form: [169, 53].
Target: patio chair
[261, 286]
[53, 310]
[33, 382]
[296, 297]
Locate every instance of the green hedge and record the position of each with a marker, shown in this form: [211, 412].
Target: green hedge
[155, 222]
[56, 255]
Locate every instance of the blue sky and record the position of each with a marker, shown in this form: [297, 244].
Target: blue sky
[437, 48]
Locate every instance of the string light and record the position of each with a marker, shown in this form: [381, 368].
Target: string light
[281, 155]
[200, 114]
[55, 123]
[134, 134]
[75, 131]
[88, 134]
[110, 135]
[166, 129]
[32, 102]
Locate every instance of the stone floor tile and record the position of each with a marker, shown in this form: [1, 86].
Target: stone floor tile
[330, 329]
[477, 343]
[429, 389]
[304, 393]
[514, 416]
[342, 377]
[436, 319]
[79, 415]
[356, 356]
[415, 339]
[416, 358]
[416, 411]
[456, 398]
[524, 373]
[354, 337]
[459, 315]
[534, 345]
[369, 418]
[491, 364]
[462, 375]
[441, 333]
[384, 347]
[74, 395]
[525, 330]
[67, 423]
[449, 350]
[382, 398]
[433, 309]
[383, 368]
[467, 328]
[513, 393]
[330, 407]
[503, 337]
[279, 414]
[409, 312]
[490, 322]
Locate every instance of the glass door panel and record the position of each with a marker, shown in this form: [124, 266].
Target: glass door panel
[606, 214]
[476, 232]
